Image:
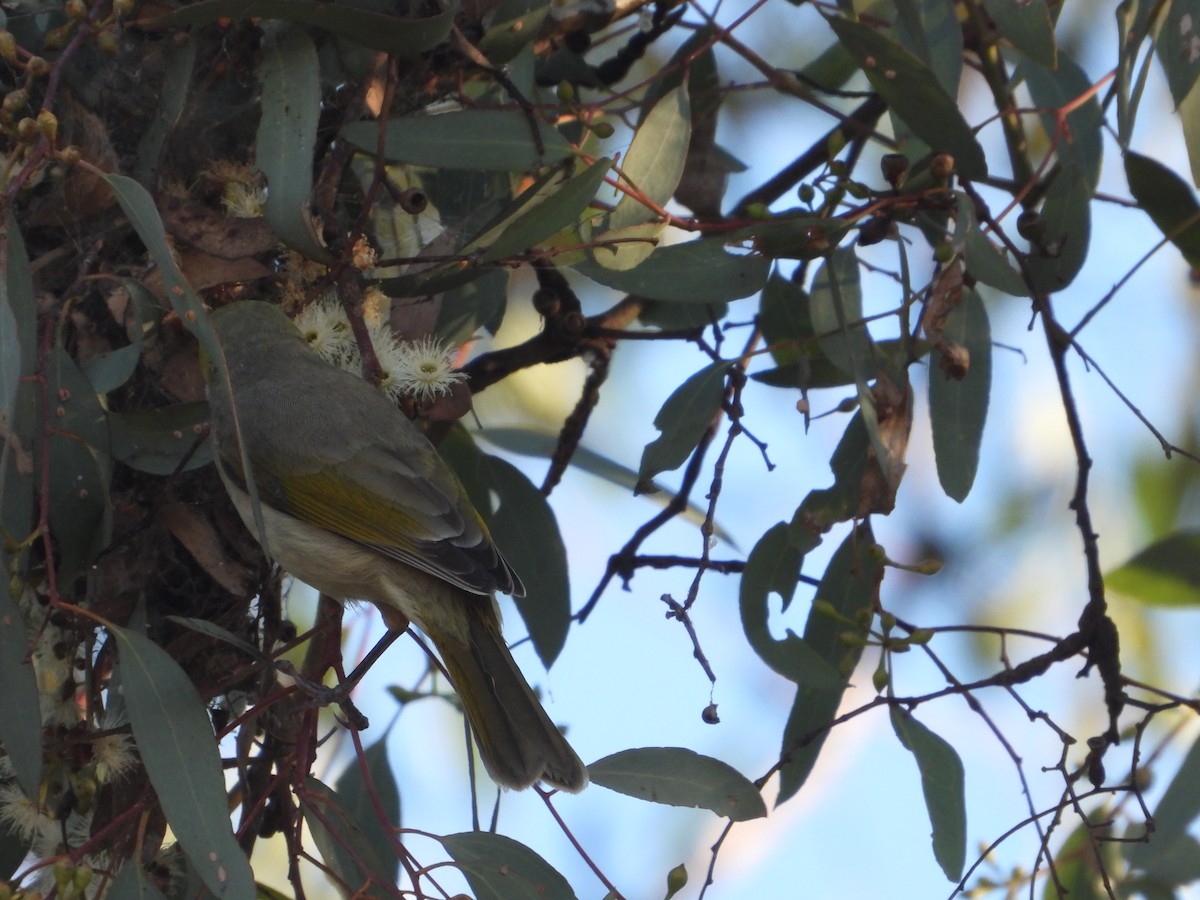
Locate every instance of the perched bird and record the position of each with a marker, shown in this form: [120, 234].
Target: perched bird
[357, 503]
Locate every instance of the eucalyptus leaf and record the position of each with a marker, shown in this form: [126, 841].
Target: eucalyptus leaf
[677, 776]
[913, 93]
[699, 271]
[159, 441]
[498, 868]
[391, 34]
[1028, 27]
[654, 162]
[683, 420]
[835, 305]
[357, 794]
[287, 134]
[1175, 813]
[492, 140]
[176, 743]
[348, 852]
[942, 783]
[1168, 200]
[1081, 142]
[958, 404]
[20, 709]
[1167, 573]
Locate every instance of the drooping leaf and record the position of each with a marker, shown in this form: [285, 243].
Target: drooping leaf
[849, 585]
[1082, 143]
[10, 359]
[498, 868]
[177, 78]
[80, 512]
[692, 272]
[213, 630]
[1177, 43]
[654, 162]
[784, 318]
[983, 260]
[344, 847]
[835, 304]
[287, 134]
[468, 307]
[958, 405]
[913, 93]
[491, 140]
[1168, 200]
[1028, 27]
[157, 441]
[391, 34]
[680, 777]
[931, 30]
[1068, 216]
[131, 882]
[1078, 867]
[560, 208]
[525, 529]
[1170, 845]
[176, 743]
[683, 420]
[1167, 573]
[20, 711]
[942, 783]
[773, 567]
[355, 793]
[513, 25]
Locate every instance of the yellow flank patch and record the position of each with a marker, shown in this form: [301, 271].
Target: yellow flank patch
[352, 511]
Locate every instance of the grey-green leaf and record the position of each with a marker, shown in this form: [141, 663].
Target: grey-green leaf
[391, 34]
[942, 783]
[654, 162]
[1028, 27]
[835, 305]
[1176, 48]
[773, 567]
[498, 868]
[913, 93]
[1174, 815]
[1068, 216]
[176, 743]
[344, 847]
[287, 134]
[525, 529]
[20, 711]
[693, 272]
[1082, 144]
[157, 441]
[491, 140]
[958, 406]
[677, 776]
[1167, 573]
[1168, 200]
[850, 584]
[355, 793]
[683, 420]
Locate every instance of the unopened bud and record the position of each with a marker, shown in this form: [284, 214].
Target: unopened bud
[1031, 225]
[602, 129]
[565, 91]
[27, 129]
[8, 45]
[879, 678]
[15, 100]
[48, 124]
[941, 167]
[36, 65]
[76, 9]
[895, 168]
[106, 42]
[921, 636]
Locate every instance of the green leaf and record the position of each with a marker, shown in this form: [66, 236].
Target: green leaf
[1068, 215]
[131, 883]
[931, 30]
[982, 258]
[625, 248]
[850, 585]
[774, 568]
[544, 444]
[80, 512]
[1168, 200]
[835, 304]
[942, 783]
[958, 406]
[557, 208]
[20, 709]
[391, 34]
[1170, 845]
[355, 794]
[1167, 573]
[698, 271]
[1028, 27]
[784, 317]
[913, 93]
[498, 868]
[514, 24]
[178, 68]
[176, 743]
[213, 630]
[1052, 89]
[10, 359]
[490, 140]
[156, 441]
[1176, 46]
[677, 776]
[343, 846]
[468, 307]
[287, 135]
[527, 532]
[654, 162]
[683, 420]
